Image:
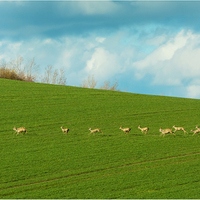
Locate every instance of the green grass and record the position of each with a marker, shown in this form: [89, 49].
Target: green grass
[45, 164]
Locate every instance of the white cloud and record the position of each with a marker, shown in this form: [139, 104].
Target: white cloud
[88, 8]
[157, 40]
[8, 49]
[193, 91]
[79, 56]
[172, 62]
[48, 41]
[100, 39]
[103, 64]
[163, 52]
[15, 46]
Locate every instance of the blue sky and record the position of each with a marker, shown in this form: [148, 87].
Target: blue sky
[149, 47]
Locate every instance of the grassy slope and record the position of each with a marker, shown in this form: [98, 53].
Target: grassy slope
[47, 164]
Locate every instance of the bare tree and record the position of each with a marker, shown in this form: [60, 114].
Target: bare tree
[107, 86]
[47, 77]
[89, 82]
[54, 77]
[62, 79]
[114, 87]
[31, 70]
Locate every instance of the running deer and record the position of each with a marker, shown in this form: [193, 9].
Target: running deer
[125, 129]
[195, 131]
[165, 131]
[20, 130]
[179, 129]
[144, 130]
[64, 130]
[197, 127]
[94, 131]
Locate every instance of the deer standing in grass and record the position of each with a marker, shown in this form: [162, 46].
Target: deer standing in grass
[165, 131]
[20, 130]
[144, 130]
[64, 130]
[126, 130]
[94, 131]
[179, 129]
[196, 131]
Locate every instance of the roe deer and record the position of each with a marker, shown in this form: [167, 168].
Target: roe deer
[196, 131]
[65, 131]
[197, 127]
[145, 129]
[165, 131]
[125, 129]
[20, 130]
[94, 131]
[179, 129]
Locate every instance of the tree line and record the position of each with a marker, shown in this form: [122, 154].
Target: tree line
[19, 70]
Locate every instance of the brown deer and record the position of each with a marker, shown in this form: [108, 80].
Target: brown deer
[126, 130]
[94, 131]
[179, 129]
[20, 130]
[65, 131]
[144, 130]
[165, 131]
[195, 132]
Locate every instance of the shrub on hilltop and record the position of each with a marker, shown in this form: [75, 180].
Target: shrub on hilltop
[9, 74]
[17, 70]
[90, 82]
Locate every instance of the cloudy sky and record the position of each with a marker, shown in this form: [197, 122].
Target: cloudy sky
[148, 47]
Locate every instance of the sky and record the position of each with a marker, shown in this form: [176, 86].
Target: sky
[148, 47]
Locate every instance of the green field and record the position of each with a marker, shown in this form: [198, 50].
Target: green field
[45, 163]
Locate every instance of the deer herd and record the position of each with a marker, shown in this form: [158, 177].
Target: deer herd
[126, 130]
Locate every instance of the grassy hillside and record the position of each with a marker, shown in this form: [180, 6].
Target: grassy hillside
[45, 163]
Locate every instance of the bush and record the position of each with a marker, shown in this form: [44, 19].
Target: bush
[56, 77]
[17, 70]
[90, 82]
[107, 86]
[9, 74]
